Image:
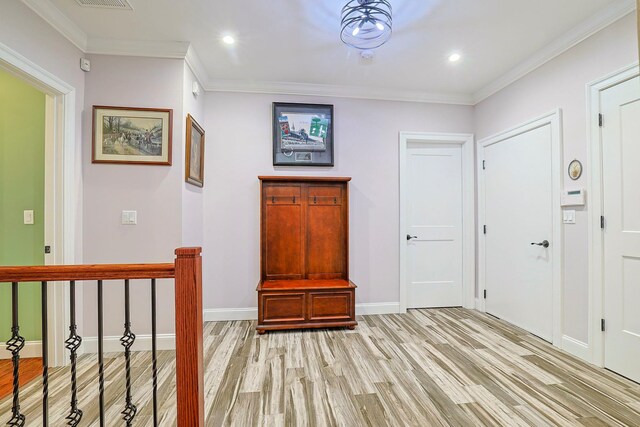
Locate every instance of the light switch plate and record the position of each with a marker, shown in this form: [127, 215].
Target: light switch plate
[569, 217]
[28, 217]
[129, 217]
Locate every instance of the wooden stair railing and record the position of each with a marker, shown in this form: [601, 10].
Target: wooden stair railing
[187, 272]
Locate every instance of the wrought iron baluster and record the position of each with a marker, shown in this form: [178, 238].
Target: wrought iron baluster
[72, 344]
[14, 345]
[101, 352]
[45, 355]
[153, 352]
[127, 340]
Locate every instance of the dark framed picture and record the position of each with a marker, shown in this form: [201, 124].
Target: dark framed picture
[302, 134]
[132, 135]
[194, 170]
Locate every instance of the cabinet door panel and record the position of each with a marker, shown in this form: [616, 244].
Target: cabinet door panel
[288, 307]
[325, 241]
[330, 306]
[283, 245]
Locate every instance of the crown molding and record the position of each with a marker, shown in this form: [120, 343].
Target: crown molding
[59, 21]
[591, 26]
[338, 91]
[197, 67]
[144, 48]
[183, 50]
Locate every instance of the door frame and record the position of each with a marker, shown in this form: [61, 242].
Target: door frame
[61, 187]
[595, 189]
[466, 142]
[554, 119]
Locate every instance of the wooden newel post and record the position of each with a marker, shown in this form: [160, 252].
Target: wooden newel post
[189, 338]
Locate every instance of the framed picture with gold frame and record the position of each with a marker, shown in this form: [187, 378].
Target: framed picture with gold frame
[194, 170]
[139, 136]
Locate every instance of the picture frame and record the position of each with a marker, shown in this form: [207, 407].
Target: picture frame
[575, 169]
[194, 153]
[131, 135]
[302, 134]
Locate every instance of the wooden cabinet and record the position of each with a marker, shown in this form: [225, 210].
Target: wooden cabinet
[304, 259]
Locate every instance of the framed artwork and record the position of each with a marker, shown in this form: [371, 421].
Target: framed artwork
[132, 135]
[302, 134]
[194, 170]
[575, 169]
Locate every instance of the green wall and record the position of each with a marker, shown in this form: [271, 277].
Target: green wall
[22, 127]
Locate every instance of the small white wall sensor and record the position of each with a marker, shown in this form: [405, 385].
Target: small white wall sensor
[85, 65]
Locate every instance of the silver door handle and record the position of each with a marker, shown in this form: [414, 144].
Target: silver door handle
[409, 237]
[544, 244]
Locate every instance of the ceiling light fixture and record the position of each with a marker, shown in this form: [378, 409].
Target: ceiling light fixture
[366, 24]
[455, 57]
[228, 40]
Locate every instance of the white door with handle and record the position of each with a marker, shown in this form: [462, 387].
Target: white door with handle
[434, 218]
[519, 235]
[620, 106]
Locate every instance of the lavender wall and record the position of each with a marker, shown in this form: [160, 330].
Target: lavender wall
[366, 138]
[153, 191]
[562, 83]
[192, 196]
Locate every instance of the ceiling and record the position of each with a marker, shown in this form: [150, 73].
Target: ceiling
[296, 43]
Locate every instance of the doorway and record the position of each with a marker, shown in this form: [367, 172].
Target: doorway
[616, 243]
[520, 238]
[60, 185]
[22, 202]
[437, 211]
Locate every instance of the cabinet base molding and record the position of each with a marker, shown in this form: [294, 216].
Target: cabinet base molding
[304, 304]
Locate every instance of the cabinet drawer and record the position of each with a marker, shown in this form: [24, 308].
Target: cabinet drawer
[325, 195]
[330, 305]
[282, 307]
[282, 194]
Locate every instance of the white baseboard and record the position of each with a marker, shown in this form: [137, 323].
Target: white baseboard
[251, 313]
[228, 314]
[30, 349]
[479, 304]
[575, 347]
[142, 343]
[366, 309]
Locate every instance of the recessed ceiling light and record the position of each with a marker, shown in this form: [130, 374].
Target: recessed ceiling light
[228, 40]
[455, 57]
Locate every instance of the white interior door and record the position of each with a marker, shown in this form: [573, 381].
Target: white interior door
[620, 106]
[434, 227]
[518, 183]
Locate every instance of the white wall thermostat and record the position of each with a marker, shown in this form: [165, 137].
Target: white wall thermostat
[573, 197]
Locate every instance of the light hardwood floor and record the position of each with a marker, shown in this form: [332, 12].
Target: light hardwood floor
[445, 367]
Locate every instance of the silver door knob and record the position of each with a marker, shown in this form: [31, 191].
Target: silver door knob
[544, 244]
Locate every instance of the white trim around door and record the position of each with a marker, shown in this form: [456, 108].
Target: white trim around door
[61, 187]
[595, 192]
[554, 119]
[465, 141]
